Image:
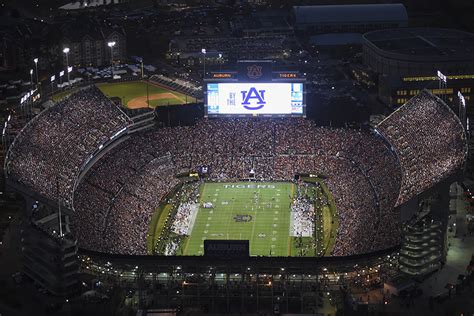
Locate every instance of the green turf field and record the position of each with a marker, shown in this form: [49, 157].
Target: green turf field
[268, 225]
[134, 90]
[265, 218]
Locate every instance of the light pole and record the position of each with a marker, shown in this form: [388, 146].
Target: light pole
[66, 51]
[30, 102]
[111, 45]
[220, 61]
[36, 66]
[31, 78]
[203, 51]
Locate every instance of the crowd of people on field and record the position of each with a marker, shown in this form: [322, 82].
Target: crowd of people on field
[302, 213]
[184, 218]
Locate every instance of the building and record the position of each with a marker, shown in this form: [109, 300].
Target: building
[423, 248]
[49, 258]
[22, 40]
[262, 24]
[406, 60]
[8, 49]
[78, 5]
[358, 18]
[88, 43]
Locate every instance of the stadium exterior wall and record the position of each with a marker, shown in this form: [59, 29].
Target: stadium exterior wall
[409, 208]
[196, 264]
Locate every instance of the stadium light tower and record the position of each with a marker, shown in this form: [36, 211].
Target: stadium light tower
[443, 84]
[36, 65]
[462, 109]
[66, 51]
[111, 45]
[203, 51]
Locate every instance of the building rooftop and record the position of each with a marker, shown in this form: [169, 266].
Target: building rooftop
[346, 14]
[429, 42]
[334, 39]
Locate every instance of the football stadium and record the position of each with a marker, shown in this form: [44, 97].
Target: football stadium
[250, 191]
[236, 158]
[275, 182]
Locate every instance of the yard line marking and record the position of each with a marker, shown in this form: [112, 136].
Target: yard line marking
[253, 227]
[289, 215]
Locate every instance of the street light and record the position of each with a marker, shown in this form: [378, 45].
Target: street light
[111, 45]
[203, 51]
[66, 51]
[36, 65]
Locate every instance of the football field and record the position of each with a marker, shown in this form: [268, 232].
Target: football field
[255, 211]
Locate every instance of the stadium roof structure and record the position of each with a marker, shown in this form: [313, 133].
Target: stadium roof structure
[347, 14]
[421, 43]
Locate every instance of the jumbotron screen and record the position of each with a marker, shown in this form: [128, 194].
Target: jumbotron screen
[255, 98]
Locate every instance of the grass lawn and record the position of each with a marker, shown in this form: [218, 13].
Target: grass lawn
[127, 91]
[156, 226]
[265, 207]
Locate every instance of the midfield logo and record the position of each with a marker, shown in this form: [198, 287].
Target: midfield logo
[253, 93]
[254, 71]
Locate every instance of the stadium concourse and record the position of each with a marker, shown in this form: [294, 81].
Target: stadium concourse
[368, 173]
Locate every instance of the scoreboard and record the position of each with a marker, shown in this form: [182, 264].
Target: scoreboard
[255, 90]
[255, 98]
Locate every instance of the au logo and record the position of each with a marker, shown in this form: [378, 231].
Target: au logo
[253, 94]
[254, 71]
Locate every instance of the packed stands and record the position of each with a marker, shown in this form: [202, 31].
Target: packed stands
[48, 153]
[430, 142]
